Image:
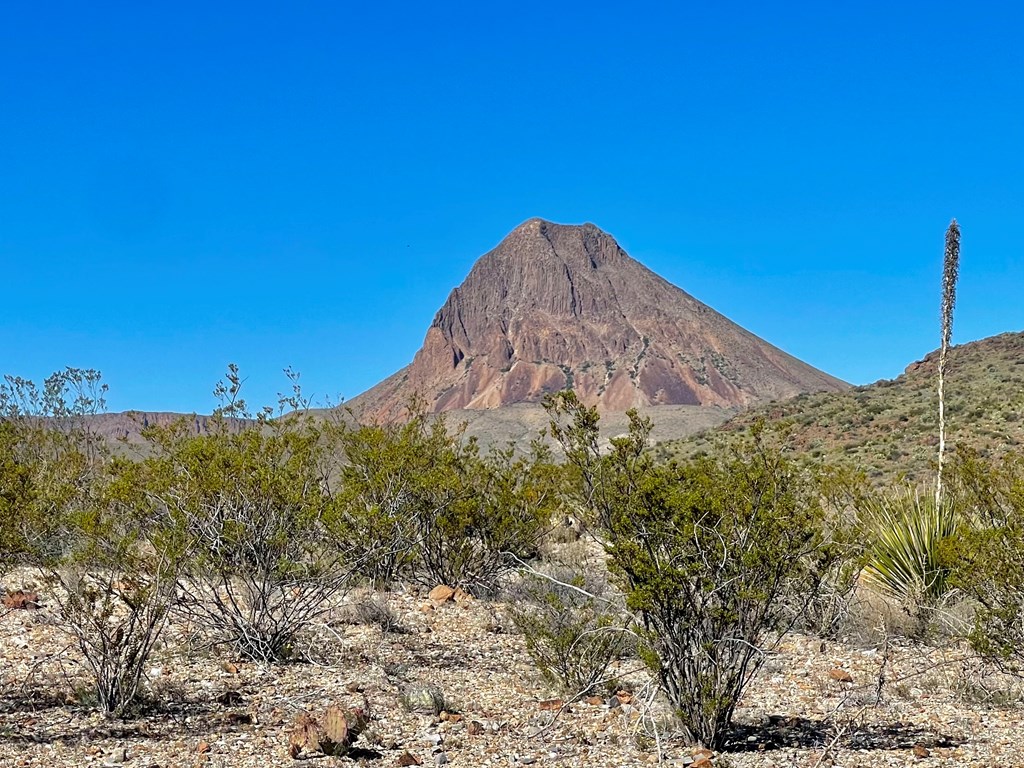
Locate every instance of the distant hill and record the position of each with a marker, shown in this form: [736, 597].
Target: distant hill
[891, 427]
[557, 306]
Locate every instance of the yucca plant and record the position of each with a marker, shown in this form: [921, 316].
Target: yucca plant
[906, 529]
[950, 273]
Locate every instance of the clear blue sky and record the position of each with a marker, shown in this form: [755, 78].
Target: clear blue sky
[183, 185]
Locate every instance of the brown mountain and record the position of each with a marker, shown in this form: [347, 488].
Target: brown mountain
[556, 306]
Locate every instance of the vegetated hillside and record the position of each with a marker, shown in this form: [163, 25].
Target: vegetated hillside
[890, 428]
[554, 307]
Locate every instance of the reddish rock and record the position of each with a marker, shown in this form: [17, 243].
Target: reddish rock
[19, 599]
[840, 675]
[556, 306]
[441, 594]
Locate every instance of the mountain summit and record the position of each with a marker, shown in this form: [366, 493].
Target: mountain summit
[558, 306]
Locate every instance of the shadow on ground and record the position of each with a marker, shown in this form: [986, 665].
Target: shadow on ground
[797, 732]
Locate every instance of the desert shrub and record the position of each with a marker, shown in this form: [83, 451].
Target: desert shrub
[249, 504]
[114, 587]
[419, 503]
[573, 631]
[905, 529]
[67, 510]
[986, 559]
[499, 520]
[708, 553]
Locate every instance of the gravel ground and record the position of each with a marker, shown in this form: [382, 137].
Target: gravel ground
[813, 704]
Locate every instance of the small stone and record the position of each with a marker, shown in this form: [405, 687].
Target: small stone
[840, 675]
[441, 594]
[20, 599]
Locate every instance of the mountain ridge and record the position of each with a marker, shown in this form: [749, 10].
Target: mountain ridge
[556, 306]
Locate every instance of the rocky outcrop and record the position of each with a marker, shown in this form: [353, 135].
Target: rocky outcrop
[557, 306]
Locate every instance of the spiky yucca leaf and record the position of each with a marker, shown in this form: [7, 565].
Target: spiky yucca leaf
[905, 529]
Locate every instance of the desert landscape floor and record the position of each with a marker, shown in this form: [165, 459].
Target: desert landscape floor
[812, 704]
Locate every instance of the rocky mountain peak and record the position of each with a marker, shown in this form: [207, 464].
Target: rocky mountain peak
[555, 306]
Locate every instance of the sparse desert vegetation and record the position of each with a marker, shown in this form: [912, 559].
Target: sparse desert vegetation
[285, 585]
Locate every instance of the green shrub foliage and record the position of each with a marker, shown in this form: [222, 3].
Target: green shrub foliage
[249, 505]
[710, 554]
[905, 530]
[986, 560]
[573, 632]
[420, 503]
[66, 508]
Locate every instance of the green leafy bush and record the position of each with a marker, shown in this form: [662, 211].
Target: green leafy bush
[710, 554]
[249, 505]
[573, 632]
[986, 559]
[419, 503]
[65, 509]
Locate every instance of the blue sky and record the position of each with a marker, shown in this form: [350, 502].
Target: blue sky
[187, 185]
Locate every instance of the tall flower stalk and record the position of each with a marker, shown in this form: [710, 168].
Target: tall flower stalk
[950, 272]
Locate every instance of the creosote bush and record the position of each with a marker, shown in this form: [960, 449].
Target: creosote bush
[986, 560]
[710, 554]
[67, 510]
[573, 628]
[419, 503]
[250, 507]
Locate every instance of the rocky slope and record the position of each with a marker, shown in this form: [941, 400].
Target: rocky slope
[556, 306]
[890, 428]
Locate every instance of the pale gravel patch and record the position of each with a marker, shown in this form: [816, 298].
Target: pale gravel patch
[487, 678]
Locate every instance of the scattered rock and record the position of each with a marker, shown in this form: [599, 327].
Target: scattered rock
[441, 594]
[840, 675]
[19, 599]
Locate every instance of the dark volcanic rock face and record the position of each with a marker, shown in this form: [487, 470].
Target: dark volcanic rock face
[556, 306]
